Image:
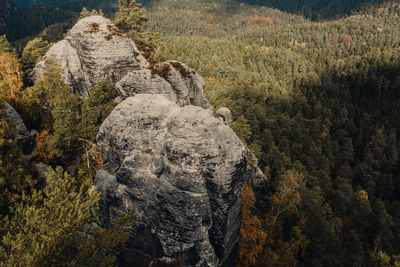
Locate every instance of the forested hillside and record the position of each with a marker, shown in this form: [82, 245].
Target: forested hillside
[318, 99]
[313, 87]
[320, 9]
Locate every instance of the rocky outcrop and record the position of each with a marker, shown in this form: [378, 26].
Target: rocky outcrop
[172, 79]
[225, 114]
[95, 50]
[172, 164]
[179, 172]
[22, 133]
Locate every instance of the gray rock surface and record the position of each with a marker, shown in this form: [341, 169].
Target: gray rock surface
[175, 167]
[179, 172]
[10, 114]
[225, 114]
[172, 79]
[144, 82]
[93, 51]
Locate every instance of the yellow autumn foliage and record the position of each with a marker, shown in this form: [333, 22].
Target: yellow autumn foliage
[10, 78]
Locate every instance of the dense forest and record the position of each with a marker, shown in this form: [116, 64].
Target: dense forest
[317, 99]
[314, 91]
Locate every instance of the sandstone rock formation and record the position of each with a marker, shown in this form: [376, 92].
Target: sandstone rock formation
[95, 50]
[173, 79]
[225, 114]
[173, 165]
[179, 172]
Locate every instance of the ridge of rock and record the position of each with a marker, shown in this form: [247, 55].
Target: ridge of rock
[170, 163]
[94, 50]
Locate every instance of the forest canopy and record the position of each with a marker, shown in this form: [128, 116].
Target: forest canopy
[313, 87]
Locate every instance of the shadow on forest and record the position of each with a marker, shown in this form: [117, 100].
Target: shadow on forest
[316, 9]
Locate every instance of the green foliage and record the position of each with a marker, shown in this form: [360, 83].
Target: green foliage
[86, 13]
[5, 46]
[33, 53]
[51, 105]
[130, 16]
[14, 167]
[320, 99]
[387, 261]
[36, 99]
[242, 128]
[66, 112]
[56, 226]
[97, 108]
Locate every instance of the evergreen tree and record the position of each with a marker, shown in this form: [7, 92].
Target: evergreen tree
[33, 53]
[130, 16]
[15, 177]
[57, 226]
[97, 108]
[5, 46]
[10, 78]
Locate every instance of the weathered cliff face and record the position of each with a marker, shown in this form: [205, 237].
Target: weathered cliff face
[172, 164]
[95, 50]
[179, 172]
[177, 82]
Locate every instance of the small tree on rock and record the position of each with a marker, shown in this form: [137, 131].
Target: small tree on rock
[130, 16]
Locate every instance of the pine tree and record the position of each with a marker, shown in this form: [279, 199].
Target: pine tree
[5, 46]
[84, 13]
[33, 53]
[14, 168]
[97, 108]
[66, 112]
[130, 16]
[57, 226]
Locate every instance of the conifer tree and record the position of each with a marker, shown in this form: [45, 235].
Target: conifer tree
[57, 226]
[130, 16]
[14, 168]
[33, 53]
[5, 46]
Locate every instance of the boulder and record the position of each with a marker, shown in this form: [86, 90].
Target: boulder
[179, 172]
[225, 114]
[169, 162]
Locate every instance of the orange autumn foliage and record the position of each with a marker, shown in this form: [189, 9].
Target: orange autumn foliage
[10, 78]
[41, 143]
[260, 21]
[252, 235]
